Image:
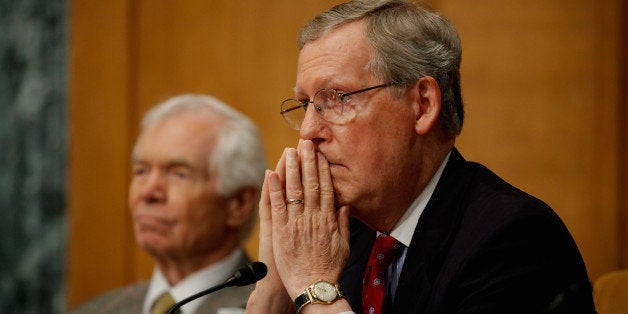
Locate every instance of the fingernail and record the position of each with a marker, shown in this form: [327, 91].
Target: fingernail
[273, 180]
[307, 144]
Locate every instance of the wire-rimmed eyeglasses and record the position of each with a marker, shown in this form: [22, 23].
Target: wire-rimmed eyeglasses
[329, 103]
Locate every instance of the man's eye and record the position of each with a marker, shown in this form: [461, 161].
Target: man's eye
[138, 171]
[181, 174]
[344, 99]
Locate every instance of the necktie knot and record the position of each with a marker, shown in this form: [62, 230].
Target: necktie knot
[384, 251]
[163, 304]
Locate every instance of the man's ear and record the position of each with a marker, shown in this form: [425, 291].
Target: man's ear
[240, 206]
[427, 104]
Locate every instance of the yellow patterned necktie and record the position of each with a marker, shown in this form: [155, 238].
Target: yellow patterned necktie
[163, 304]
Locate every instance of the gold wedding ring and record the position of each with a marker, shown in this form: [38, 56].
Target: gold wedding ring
[294, 201]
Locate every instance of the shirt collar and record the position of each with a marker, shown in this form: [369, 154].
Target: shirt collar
[202, 279]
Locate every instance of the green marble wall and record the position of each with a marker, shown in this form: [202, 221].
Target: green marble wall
[33, 144]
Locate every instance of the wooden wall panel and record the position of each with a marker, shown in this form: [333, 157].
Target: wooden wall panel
[541, 80]
[99, 229]
[623, 140]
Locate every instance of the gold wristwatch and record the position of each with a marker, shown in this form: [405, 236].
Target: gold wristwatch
[321, 292]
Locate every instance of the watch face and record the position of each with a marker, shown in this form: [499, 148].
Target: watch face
[325, 291]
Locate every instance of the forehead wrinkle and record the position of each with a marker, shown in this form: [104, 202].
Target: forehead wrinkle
[311, 73]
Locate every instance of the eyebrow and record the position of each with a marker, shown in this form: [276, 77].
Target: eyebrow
[179, 162]
[327, 83]
[325, 80]
[298, 93]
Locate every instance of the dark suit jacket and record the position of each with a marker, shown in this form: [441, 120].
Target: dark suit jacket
[481, 246]
[130, 299]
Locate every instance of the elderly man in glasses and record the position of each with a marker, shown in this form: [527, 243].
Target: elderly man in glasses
[378, 107]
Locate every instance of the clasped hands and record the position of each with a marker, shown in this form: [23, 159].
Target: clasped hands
[301, 242]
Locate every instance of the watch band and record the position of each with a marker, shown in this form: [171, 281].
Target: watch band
[302, 300]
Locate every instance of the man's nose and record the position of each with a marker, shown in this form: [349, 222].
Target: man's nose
[154, 187]
[313, 124]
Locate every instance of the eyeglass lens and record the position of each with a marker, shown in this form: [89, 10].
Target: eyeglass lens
[326, 102]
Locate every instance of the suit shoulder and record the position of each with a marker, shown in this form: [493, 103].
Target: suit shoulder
[484, 208]
[128, 299]
[488, 191]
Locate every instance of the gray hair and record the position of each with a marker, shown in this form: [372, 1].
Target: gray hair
[238, 158]
[411, 41]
